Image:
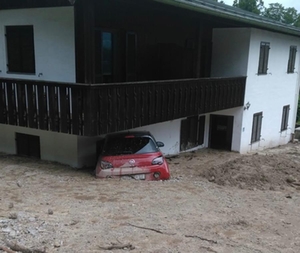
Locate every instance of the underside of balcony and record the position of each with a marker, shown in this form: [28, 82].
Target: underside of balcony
[93, 110]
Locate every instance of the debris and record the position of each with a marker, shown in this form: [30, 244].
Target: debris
[11, 205]
[151, 229]
[17, 247]
[13, 216]
[201, 238]
[290, 180]
[50, 211]
[57, 244]
[6, 249]
[118, 246]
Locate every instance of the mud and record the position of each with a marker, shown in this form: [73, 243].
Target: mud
[215, 201]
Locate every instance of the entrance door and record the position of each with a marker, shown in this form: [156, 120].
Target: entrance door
[221, 128]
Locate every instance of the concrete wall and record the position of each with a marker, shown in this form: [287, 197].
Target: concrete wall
[53, 41]
[58, 147]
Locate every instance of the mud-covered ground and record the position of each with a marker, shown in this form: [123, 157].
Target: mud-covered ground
[216, 201]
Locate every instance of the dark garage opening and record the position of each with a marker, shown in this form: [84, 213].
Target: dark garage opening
[28, 145]
[221, 128]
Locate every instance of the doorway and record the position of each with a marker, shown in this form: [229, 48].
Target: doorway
[28, 145]
[221, 129]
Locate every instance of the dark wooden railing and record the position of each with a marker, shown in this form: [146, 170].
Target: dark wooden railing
[96, 109]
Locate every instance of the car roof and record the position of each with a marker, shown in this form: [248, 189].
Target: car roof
[132, 133]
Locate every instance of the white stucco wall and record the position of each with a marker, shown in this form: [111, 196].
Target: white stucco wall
[53, 41]
[168, 133]
[236, 52]
[269, 93]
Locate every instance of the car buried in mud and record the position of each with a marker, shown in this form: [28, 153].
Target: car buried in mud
[132, 154]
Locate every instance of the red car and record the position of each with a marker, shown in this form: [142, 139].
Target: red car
[134, 154]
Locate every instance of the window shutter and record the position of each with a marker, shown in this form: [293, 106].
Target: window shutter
[266, 58]
[256, 127]
[263, 58]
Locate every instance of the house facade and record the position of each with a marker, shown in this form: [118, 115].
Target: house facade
[194, 73]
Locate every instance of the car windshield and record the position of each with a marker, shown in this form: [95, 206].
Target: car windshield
[129, 145]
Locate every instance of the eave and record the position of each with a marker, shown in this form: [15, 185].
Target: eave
[232, 13]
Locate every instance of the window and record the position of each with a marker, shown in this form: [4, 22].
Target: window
[104, 56]
[256, 127]
[20, 49]
[263, 58]
[292, 59]
[192, 132]
[285, 117]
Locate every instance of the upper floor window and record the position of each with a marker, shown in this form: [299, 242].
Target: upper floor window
[263, 58]
[256, 127]
[292, 59]
[285, 117]
[20, 49]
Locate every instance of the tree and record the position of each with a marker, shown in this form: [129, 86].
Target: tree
[290, 16]
[255, 6]
[277, 12]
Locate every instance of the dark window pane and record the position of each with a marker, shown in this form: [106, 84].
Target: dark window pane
[20, 49]
[107, 53]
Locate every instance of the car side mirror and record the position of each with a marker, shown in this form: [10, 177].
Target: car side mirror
[160, 144]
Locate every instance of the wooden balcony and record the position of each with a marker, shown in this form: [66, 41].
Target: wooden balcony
[96, 109]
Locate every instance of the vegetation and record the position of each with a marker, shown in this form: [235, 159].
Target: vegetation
[255, 6]
[275, 11]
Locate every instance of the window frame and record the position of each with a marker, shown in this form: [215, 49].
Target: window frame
[20, 49]
[285, 118]
[263, 58]
[292, 60]
[256, 127]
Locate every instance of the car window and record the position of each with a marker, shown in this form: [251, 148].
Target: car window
[125, 146]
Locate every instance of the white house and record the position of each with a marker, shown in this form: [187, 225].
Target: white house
[195, 73]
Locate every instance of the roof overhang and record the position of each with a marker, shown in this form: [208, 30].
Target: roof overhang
[232, 13]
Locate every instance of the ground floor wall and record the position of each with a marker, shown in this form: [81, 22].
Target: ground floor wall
[57, 147]
[80, 151]
[169, 132]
